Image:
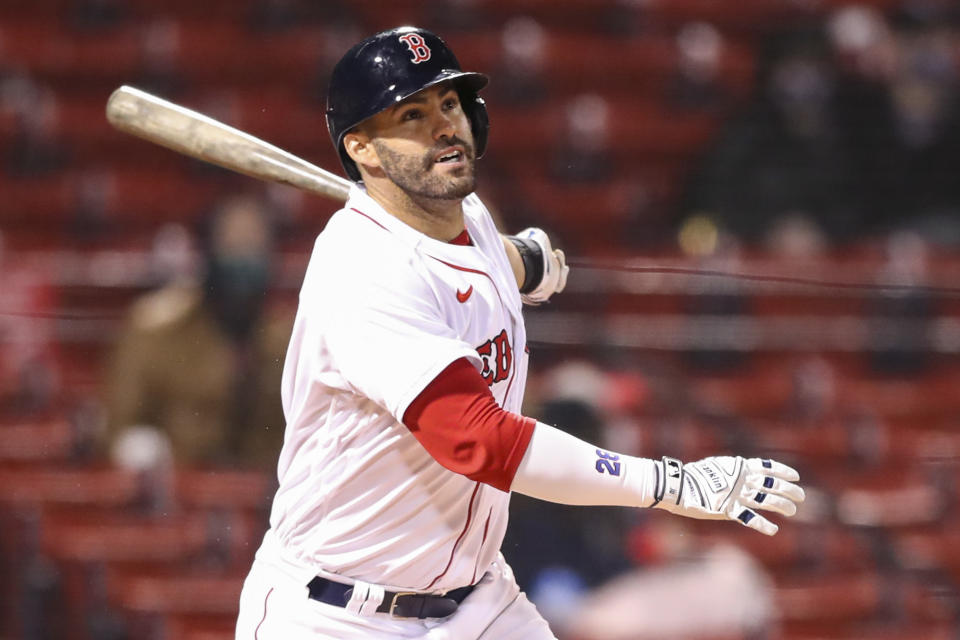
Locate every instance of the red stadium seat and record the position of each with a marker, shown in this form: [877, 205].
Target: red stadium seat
[190, 593]
[28, 200]
[830, 599]
[796, 546]
[930, 548]
[750, 17]
[223, 489]
[761, 391]
[36, 441]
[637, 128]
[91, 487]
[875, 631]
[202, 627]
[888, 496]
[124, 538]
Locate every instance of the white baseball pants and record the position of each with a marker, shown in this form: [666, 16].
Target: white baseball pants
[274, 606]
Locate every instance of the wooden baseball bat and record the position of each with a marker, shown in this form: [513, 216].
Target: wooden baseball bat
[186, 131]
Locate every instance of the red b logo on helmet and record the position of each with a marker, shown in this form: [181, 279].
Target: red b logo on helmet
[418, 47]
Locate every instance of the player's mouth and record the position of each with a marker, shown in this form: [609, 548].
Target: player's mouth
[451, 156]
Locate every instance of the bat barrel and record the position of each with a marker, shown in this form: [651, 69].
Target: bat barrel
[194, 134]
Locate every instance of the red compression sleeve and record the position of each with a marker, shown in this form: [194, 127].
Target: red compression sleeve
[460, 424]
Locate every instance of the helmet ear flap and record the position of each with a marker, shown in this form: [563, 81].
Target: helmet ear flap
[476, 110]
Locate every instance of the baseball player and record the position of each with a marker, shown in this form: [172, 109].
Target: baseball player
[403, 383]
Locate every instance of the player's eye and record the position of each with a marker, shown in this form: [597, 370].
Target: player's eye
[411, 114]
[451, 103]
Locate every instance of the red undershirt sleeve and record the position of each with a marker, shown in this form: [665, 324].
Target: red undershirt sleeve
[460, 424]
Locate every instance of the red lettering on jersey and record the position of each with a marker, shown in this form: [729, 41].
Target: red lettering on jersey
[486, 350]
[504, 356]
[497, 357]
[418, 47]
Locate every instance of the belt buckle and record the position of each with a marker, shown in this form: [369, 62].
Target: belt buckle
[393, 603]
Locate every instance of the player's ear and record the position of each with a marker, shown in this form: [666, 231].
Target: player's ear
[360, 149]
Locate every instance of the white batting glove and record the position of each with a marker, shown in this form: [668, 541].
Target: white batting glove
[555, 268]
[725, 487]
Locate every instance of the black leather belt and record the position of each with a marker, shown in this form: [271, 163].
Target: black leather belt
[403, 604]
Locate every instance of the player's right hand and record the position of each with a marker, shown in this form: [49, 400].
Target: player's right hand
[725, 487]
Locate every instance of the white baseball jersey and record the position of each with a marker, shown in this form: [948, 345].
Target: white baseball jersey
[383, 310]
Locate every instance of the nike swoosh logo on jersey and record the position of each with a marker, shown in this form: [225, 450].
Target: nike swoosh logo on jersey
[463, 296]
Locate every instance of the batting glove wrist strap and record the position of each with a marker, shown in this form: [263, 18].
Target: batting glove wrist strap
[532, 256]
[669, 472]
[728, 488]
[545, 268]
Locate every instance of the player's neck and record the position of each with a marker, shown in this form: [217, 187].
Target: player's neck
[439, 219]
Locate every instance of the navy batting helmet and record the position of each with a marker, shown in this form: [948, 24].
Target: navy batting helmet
[388, 67]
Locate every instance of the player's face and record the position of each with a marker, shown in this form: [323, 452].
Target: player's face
[425, 145]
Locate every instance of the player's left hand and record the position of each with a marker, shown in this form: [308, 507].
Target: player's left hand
[725, 487]
[555, 269]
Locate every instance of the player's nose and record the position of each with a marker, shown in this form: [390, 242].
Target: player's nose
[444, 125]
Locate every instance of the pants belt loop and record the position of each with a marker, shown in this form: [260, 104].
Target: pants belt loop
[374, 599]
[365, 598]
[359, 595]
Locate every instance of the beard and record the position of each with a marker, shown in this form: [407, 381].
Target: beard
[416, 177]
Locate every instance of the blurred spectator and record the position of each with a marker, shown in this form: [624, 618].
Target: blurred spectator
[863, 46]
[288, 204]
[627, 18]
[201, 361]
[159, 70]
[173, 257]
[450, 16]
[338, 37]
[724, 591]
[944, 12]
[904, 124]
[796, 237]
[280, 15]
[826, 422]
[813, 392]
[34, 148]
[915, 498]
[40, 590]
[29, 380]
[93, 194]
[868, 439]
[97, 14]
[520, 79]
[276, 15]
[583, 153]
[695, 84]
[714, 249]
[901, 319]
[146, 452]
[784, 157]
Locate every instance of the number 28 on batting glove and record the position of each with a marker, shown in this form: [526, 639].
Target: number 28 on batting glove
[728, 488]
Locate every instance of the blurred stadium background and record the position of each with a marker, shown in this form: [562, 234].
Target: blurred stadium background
[668, 145]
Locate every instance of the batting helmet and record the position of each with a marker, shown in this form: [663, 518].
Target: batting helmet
[388, 67]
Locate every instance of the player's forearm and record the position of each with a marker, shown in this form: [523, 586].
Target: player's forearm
[561, 468]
